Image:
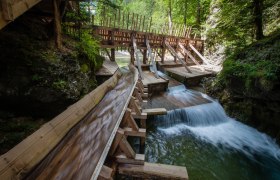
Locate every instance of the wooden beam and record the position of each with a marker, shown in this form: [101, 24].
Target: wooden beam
[130, 132]
[126, 148]
[138, 160]
[200, 55]
[155, 111]
[134, 106]
[117, 139]
[140, 116]
[172, 51]
[129, 120]
[154, 171]
[105, 173]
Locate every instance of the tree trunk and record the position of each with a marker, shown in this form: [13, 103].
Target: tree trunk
[258, 13]
[170, 16]
[57, 24]
[198, 15]
[185, 12]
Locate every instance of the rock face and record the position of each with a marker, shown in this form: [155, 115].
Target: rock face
[35, 78]
[248, 87]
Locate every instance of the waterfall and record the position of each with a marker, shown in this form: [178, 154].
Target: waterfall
[200, 115]
[209, 122]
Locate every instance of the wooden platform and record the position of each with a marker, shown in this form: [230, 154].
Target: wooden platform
[154, 171]
[189, 79]
[154, 84]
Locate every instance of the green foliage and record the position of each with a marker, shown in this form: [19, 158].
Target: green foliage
[60, 84]
[235, 22]
[257, 64]
[89, 49]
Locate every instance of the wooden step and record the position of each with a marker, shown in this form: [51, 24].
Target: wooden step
[155, 111]
[154, 171]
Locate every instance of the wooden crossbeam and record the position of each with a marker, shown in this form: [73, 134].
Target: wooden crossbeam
[139, 116]
[172, 51]
[188, 53]
[141, 132]
[200, 55]
[138, 160]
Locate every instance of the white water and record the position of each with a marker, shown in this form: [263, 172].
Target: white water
[209, 122]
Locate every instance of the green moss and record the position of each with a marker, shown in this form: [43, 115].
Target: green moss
[84, 68]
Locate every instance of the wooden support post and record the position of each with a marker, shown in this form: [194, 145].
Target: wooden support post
[113, 57]
[129, 120]
[112, 42]
[126, 148]
[118, 137]
[134, 106]
[132, 58]
[145, 56]
[163, 49]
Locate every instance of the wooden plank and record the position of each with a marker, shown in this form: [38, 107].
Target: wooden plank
[130, 132]
[105, 173]
[155, 111]
[154, 171]
[141, 116]
[138, 160]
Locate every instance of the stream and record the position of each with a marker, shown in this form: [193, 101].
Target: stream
[210, 144]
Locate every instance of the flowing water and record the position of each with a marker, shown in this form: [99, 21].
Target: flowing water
[210, 144]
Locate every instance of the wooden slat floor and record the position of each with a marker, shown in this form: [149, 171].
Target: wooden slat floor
[149, 78]
[196, 72]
